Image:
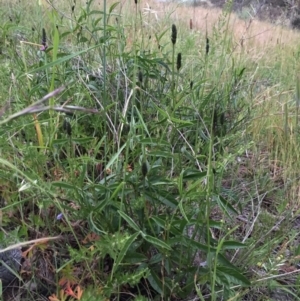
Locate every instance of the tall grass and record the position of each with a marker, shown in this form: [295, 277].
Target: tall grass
[164, 156]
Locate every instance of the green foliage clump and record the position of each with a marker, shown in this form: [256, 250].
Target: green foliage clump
[119, 136]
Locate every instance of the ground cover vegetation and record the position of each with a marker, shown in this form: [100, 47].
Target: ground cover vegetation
[148, 152]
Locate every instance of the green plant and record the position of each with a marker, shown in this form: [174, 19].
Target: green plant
[136, 145]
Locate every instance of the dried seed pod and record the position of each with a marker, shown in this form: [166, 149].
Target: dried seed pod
[174, 34]
[67, 127]
[178, 61]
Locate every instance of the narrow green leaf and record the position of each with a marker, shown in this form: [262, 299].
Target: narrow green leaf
[160, 181]
[225, 206]
[115, 193]
[181, 122]
[170, 202]
[142, 120]
[64, 34]
[190, 174]
[113, 6]
[159, 37]
[161, 154]
[75, 140]
[182, 210]
[57, 142]
[61, 60]
[135, 258]
[155, 142]
[180, 183]
[173, 119]
[129, 220]
[225, 262]
[157, 258]
[82, 140]
[94, 226]
[102, 204]
[200, 246]
[157, 242]
[211, 223]
[159, 221]
[155, 282]
[115, 157]
[96, 12]
[123, 252]
[231, 244]
[64, 185]
[234, 275]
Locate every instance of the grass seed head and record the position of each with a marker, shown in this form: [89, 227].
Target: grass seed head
[67, 127]
[178, 61]
[174, 34]
[191, 84]
[140, 76]
[44, 40]
[144, 169]
[207, 45]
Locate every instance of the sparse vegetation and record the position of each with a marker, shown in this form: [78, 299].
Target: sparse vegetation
[148, 152]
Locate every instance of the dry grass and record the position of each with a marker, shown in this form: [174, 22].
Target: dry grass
[256, 38]
[252, 35]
